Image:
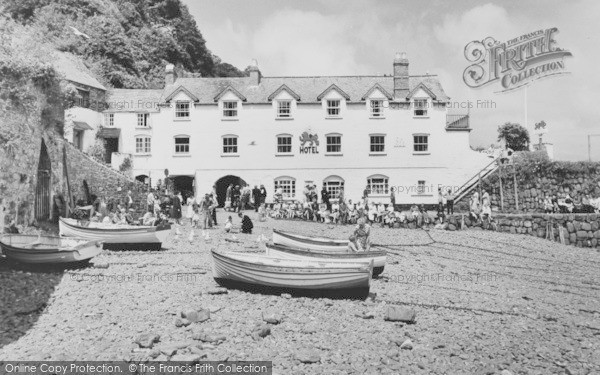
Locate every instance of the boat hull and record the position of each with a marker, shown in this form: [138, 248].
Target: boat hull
[311, 243]
[114, 236]
[261, 270]
[47, 249]
[283, 252]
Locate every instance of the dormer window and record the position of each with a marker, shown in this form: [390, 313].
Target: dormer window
[333, 108]
[284, 109]
[230, 109]
[420, 107]
[376, 108]
[182, 110]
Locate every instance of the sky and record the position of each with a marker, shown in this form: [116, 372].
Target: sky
[350, 37]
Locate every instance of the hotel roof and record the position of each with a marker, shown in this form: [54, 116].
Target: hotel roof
[308, 89]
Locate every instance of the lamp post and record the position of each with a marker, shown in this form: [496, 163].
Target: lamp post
[590, 145]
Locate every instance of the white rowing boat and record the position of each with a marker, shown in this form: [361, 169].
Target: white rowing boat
[377, 256]
[116, 235]
[263, 270]
[311, 243]
[33, 249]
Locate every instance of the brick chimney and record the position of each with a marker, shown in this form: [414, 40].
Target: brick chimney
[254, 72]
[400, 76]
[170, 74]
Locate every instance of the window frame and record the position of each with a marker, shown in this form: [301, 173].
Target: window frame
[423, 108]
[385, 185]
[380, 113]
[233, 146]
[416, 145]
[334, 190]
[329, 108]
[371, 144]
[146, 144]
[278, 145]
[82, 99]
[291, 194]
[145, 120]
[182, 136]
[234, 110]
[421, 187]
[278, 109]
[109, 120]
[327, 145]
[179, 112]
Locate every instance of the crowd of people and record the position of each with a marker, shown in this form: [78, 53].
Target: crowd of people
[563, 203]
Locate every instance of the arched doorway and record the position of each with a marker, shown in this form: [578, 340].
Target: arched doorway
[222, 184]
[141, 178]
[184, 184]
[42, 190]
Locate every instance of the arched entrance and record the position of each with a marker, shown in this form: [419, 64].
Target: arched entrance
[184, 184]
[42, 190]
[222, 184]
[141, 178]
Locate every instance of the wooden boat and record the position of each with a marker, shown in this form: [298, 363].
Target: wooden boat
[311, 243]
[117, 236]
[262, 270]
[284, 252]
[33, 249]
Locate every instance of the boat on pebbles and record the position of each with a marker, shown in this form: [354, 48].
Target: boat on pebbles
[298, 241]
[266, 273]
[48, 250]
[283, 252]
[117, 236]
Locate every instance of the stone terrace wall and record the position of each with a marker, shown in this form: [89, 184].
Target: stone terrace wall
[581, 230]
[537, 178]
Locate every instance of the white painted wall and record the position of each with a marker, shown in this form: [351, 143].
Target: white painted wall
[449, 162]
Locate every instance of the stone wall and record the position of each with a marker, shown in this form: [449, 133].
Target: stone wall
[537, 178]
[581, 230]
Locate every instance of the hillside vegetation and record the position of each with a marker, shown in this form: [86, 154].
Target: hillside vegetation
[125, 42]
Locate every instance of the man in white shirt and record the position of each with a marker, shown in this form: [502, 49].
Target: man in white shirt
[150, 201]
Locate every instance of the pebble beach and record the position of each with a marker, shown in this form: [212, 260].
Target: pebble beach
[485, 303]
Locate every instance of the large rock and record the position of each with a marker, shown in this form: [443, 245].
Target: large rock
[570, 227]
[260, 331]
[582, 234]
[586, 226]
[147, 340]
[271, 317]
[406, 345]
[400, 314]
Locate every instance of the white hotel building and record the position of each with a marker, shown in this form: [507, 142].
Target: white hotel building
[388, 132]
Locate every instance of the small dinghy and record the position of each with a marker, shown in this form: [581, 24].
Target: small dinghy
[117, 236]
[284, 252]
[311, 243]
[33, 249]
[266, 271]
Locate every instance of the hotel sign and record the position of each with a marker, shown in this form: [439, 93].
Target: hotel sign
[309, 143]
[515, 63]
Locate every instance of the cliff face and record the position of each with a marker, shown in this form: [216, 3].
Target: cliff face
[125, 42]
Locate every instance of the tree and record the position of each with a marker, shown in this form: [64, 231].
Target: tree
[515, 136]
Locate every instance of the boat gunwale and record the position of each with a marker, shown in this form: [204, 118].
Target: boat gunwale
[85, 244]
[130, 228]
[312, 240]
[328, 254]
[361, 267]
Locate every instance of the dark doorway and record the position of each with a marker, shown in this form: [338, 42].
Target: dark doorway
[112, 145]
[222, 184]
[142, 178]
[184, 184]
[42, 190]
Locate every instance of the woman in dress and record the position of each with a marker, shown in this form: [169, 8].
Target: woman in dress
[190, 208]
[176, 209]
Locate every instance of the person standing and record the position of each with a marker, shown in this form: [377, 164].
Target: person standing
[150, 201]
[325, 198]
[263, 194]
[450, 202]
[128, 200]
[228, 196]
[440, 201]
[341, 195]
[176, 208]
[189, 214]
[392, 198]
[256, 197]
[235, 198]
[213, 208]
[205, 208]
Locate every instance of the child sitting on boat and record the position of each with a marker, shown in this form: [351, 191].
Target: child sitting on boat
[362, 234]
[352, 246]
[246, 224]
